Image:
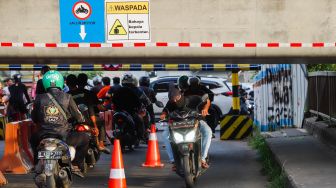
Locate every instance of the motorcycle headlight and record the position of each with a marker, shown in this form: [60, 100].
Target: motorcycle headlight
[190, 137]
[178, 137]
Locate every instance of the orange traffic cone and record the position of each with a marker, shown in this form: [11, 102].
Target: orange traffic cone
[153, 152]
[117, 172]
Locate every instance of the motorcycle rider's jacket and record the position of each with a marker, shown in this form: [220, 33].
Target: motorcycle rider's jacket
[142, 96]
[50, 117]
[128, 99]
[83, 96]
[186, 103]
[150, 93]
[200, 91]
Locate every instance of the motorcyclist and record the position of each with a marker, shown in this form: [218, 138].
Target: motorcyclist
[196, 88]
[243, 102]
[39, 85]
[97, 85]
[18, 100]
[54, 112]
[144, 85]
[115, 87]
[102, 94]
[86, 97]
[131, 99]
[177, 101]
[182, 83]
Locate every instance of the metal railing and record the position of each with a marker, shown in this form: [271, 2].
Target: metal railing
[322, 94]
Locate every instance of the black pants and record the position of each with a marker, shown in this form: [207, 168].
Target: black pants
[78, 140]
[101, 128]
[150, 109]
[211, 119]
[139, 125]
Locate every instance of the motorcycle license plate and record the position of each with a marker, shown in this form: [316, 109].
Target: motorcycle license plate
[49, 154]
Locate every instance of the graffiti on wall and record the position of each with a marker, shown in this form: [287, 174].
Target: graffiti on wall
[273, 86]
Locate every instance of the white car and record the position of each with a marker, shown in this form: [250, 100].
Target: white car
[217, 85]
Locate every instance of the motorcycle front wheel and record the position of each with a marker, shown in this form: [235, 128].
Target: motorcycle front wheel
[50, 182]
[188, 166]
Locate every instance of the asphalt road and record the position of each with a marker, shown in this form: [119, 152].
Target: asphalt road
[233, 164]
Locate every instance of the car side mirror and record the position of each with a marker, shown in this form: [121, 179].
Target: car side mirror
[227, 93]
[159, 104]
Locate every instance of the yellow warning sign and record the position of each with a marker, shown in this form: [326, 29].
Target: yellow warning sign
[117, 29]
[140, 7]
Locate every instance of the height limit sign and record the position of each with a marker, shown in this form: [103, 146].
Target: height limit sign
[127, 21]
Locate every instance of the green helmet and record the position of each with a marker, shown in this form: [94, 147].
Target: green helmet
[53, 79]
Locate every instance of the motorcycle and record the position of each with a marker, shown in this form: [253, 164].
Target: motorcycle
[81, 9]
[123, 128]
[185, 140]
[93, 153]
[54, 163]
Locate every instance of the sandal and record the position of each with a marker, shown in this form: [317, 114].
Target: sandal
[204, 164]
[77, 171]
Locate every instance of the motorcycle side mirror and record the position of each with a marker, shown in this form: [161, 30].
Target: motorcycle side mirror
[205, 97]
[159, 104]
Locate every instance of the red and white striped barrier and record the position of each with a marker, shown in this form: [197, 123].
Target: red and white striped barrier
[167, 44]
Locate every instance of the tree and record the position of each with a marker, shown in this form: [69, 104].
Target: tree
[321, 67]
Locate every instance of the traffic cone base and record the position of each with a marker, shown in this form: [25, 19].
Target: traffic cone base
[155, 165]
[153, 153]
[117, 173]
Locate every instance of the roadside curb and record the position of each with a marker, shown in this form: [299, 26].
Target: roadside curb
[321, 130]
[289, 181]
[305, 160]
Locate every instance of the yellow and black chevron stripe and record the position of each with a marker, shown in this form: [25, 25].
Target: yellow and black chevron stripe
[235, 127]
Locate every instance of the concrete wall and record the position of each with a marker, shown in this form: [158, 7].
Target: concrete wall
[196, 21]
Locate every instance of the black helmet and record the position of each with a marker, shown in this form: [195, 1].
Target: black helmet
[194, 82]
[183, 82]
[144, 81]
[82, 79]
[129, 80]
[71, 80]
[45, 69]
[17, 78]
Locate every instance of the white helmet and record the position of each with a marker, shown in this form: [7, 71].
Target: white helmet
[97, 80]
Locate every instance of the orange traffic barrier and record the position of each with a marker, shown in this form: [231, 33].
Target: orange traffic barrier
[153, 153]
[3, 180]
[14, 160]
[117, 172]
[25, 134]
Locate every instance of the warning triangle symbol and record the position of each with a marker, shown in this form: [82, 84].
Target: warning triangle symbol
[118, 29]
